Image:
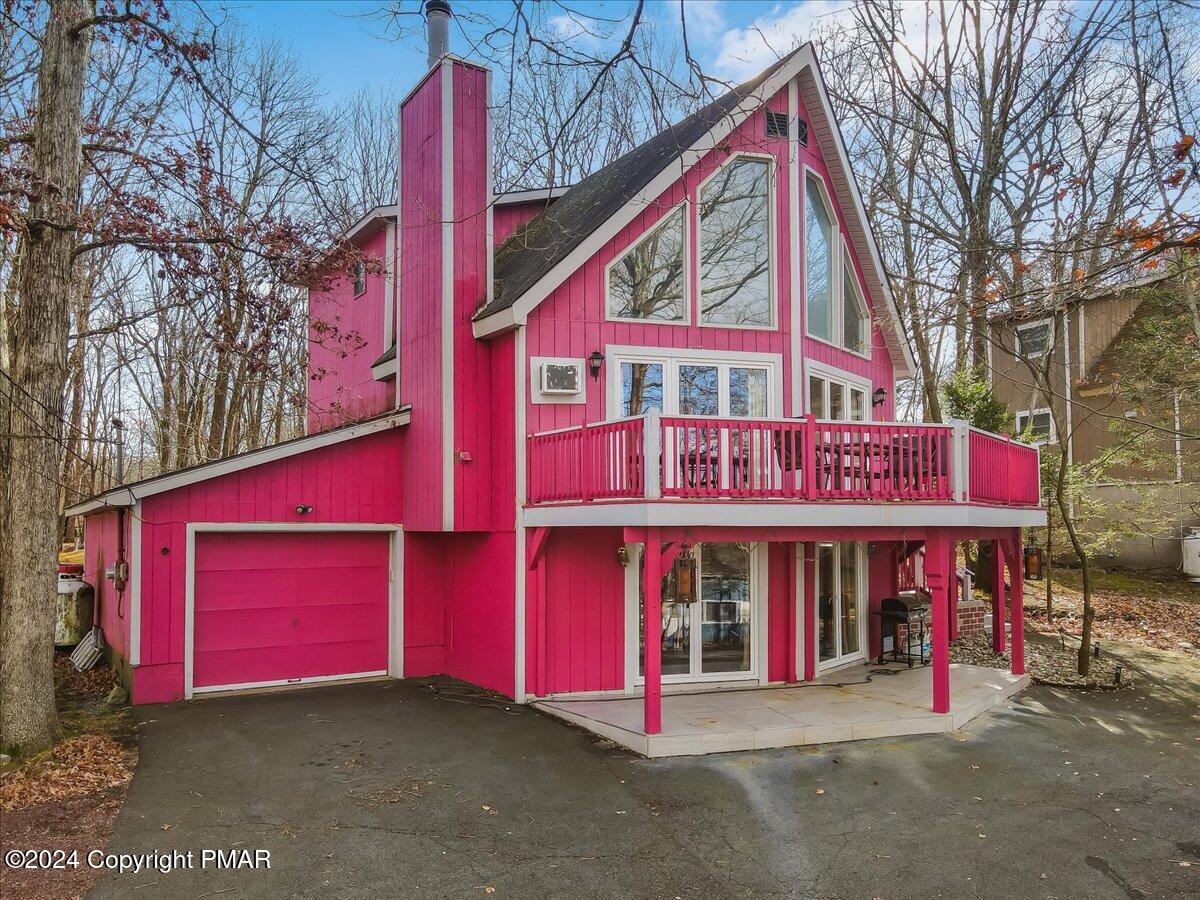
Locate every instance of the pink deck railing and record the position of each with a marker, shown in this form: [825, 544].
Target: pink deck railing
[697, 458]
[1002, 470]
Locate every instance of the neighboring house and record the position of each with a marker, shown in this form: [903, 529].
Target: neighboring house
[693, 350]
[1087, 345]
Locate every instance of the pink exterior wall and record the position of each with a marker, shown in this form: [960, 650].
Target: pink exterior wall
[420, 348]
[345, 337]
[508, 217]
[99, 554]
[572, 320]
[355, 481]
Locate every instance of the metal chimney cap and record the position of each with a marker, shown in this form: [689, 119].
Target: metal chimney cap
[440, 6]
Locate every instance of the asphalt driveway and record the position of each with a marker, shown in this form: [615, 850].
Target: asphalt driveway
[383, 790]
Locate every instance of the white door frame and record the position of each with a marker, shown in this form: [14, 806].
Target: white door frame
[759, 575]
[862, 572]
[395, 598]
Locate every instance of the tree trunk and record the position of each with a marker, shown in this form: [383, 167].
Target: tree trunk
[29, 506]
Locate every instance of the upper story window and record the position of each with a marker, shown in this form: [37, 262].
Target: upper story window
[818, 260]
[735, 245]
[360, 277]
[1033, 339]
[856, 321]
[646, 281]
[837, 396]
[1038, 422]
[697, 384]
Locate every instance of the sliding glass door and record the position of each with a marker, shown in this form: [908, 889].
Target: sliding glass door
[708, 621]
[841, 602]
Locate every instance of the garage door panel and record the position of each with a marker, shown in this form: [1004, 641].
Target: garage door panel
[268, 589]
[285, 606]
[288, 626]
[256, 666]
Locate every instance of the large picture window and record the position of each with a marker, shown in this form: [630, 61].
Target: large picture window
[647, 280]
[818, 261]
[735, 245]
[689, 386]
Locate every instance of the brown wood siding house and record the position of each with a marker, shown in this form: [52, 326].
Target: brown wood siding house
[1086, 343]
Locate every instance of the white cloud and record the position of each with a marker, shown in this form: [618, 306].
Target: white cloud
[744, 52]
[705, 19]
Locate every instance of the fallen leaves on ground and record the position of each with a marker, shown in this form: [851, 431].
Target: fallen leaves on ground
[1147, 611]
[1046, 664]
[79, 766]
[94, 684]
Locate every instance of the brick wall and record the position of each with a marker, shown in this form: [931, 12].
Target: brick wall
[971, 616]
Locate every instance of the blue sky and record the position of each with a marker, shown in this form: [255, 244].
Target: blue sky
[348, 51]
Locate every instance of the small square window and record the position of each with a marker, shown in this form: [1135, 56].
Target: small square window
[1033, 340]
[360, 277]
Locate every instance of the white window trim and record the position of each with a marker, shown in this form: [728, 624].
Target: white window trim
[759, 585]
[1029, 414]
[835, 263]
[772, 245]
[688, 263]
[847, 379]
[1026, 326]
[863, 576]
[848, 266]
[672, 358]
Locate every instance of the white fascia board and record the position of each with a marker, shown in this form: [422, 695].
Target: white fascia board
[672, 172]
[386, 213]
[771, 514]
[531, 196]
[129, 495]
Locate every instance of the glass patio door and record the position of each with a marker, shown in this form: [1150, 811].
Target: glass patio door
[841, 602]
[710, 636]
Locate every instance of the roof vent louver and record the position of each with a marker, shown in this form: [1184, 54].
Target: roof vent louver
[777, 125]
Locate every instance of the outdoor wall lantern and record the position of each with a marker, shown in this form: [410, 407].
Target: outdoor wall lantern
[879, 397]
[303, 509]
[594, 363]
[623, 555]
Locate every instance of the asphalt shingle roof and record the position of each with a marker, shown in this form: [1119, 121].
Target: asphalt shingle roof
[545, 241]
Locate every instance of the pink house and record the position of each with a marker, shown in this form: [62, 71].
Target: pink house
[617, 440]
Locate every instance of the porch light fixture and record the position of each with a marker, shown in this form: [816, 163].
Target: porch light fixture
[879, 397]
[303, 509]
[623, 555]
[594, 363]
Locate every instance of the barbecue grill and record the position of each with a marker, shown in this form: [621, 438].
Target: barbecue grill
[911, 610]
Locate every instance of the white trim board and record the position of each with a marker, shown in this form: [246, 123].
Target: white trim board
[802, 60]
[447, 187]
[395, 596]
[129, 494]
[771, 513]
[135, 588]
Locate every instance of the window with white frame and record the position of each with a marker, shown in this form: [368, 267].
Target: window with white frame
[647, 280]
[856, 321]
[360, 277]
[1038, 424]
[1033, 339]
[839, 398]
[696, 386]
[818, 260]
[735, 245]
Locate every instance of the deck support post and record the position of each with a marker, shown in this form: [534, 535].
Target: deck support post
[998, 596]
[952, 586]
[789, 551]
[936, 577]
[1016, 603]
[652, 626]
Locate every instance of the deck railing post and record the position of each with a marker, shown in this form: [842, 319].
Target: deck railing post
[652, 455]
[808, 457]
[960, 459]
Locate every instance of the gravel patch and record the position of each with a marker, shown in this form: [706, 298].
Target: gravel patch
[1045, 663]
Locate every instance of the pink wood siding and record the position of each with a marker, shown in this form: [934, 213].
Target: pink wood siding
[345, 337]
[572, 320]
[420, 350]
[508, 217]
[476, 403]
[99, 554]
[580, 618]
[355, 481]
[501, 400]
[283, 605]
[779, 611]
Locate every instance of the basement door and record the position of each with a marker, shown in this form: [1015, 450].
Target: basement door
[285, 607]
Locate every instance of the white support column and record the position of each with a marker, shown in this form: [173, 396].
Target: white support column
[652, 454]
[960, 458]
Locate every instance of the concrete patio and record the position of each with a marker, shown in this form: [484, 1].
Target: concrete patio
[853, 703]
